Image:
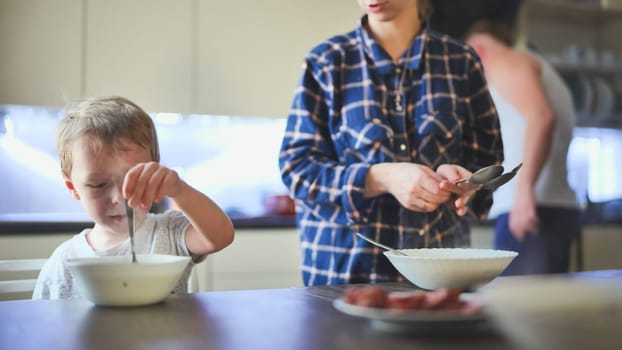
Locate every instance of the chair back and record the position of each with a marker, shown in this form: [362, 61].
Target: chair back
[18, 278]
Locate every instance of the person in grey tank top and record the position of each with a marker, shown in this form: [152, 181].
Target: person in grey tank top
[537, 214]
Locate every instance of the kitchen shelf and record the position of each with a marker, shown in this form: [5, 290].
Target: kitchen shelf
[573, 11]
[597, 69]
[614, 122]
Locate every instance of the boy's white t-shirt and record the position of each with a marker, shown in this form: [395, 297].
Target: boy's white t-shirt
[160, 234]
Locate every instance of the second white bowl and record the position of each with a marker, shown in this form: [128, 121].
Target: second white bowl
[463, 268]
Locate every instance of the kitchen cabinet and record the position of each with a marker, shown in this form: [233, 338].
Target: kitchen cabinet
[143, 50]
[553, 25]
[584, 12]
[600, 245]
[238, 57]
[257, 259]
[270, 258]
[581, 39]
[41, 44]
[30, 245]
[250, 52]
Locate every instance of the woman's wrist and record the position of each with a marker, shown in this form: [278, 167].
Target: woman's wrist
[374, 185]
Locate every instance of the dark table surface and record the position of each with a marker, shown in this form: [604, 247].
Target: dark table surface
[295, 318]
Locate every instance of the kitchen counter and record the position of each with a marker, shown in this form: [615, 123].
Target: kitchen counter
[293, 318]
[42, 223]
[596, 214]
[46, 224]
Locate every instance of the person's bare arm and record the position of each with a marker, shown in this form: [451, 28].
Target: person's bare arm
[522, 86]
[210, 228]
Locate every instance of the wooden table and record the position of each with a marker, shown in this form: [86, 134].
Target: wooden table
[296, 318]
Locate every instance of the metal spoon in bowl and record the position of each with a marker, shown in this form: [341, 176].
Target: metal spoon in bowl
[378, 244]
[130, 223]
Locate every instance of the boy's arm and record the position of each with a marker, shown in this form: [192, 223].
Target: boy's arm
[210, 228]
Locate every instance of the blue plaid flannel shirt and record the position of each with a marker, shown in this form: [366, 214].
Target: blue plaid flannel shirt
[344, 118]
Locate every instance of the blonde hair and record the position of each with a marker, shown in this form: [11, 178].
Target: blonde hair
[109, 121]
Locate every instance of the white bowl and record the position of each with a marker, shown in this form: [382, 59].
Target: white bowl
[116, 281]
[553, 312]
[463, 268]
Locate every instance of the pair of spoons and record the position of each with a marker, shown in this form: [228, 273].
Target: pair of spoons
[490, 177]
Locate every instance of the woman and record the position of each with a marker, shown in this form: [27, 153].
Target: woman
[385, 119]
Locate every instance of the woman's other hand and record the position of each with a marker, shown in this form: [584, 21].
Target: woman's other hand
[461, 193]
[415, 186]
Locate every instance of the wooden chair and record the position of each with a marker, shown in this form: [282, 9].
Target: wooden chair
[18, 278]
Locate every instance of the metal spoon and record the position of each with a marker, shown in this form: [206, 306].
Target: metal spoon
[378, 244]
[483, 175]
[501, 180]
[130, 223]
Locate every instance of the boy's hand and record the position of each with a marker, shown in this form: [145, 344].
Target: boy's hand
[150, 182]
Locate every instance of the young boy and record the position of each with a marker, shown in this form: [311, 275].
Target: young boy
[109, 153]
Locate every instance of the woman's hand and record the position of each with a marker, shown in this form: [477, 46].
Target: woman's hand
[461, 193]
[415, 186]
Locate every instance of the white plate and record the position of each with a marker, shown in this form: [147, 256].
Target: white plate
[399, 319]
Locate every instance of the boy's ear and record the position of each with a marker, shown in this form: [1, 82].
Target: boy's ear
[70, 187]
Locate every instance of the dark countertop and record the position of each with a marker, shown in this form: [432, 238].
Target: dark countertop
[71, 223]
[59, 223]
[43, 223]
